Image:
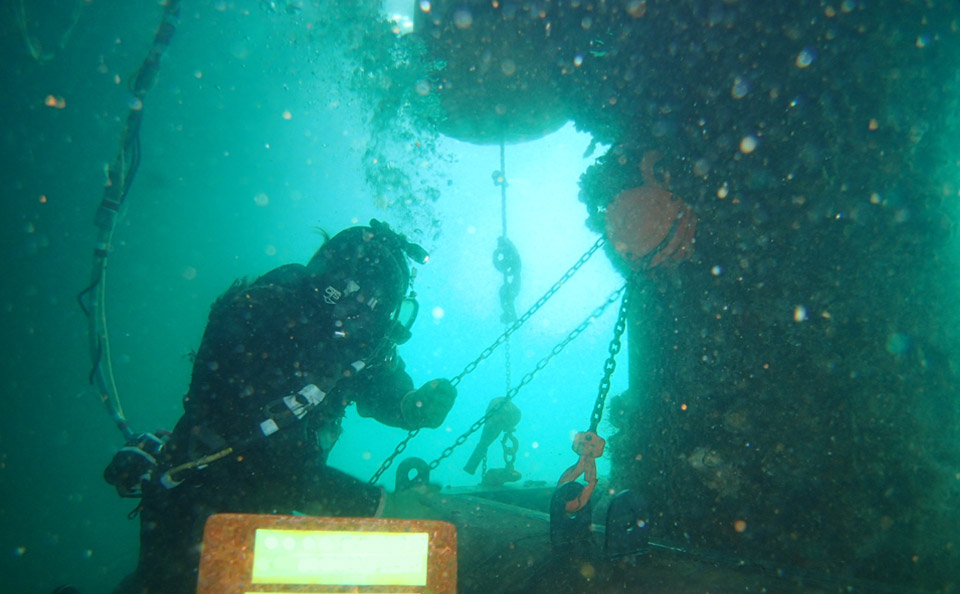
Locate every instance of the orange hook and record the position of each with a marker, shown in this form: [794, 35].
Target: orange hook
[589, 446]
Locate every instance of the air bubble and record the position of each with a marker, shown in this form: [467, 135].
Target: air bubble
[463, 18]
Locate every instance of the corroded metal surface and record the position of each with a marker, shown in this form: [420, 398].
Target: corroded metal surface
[505, 547]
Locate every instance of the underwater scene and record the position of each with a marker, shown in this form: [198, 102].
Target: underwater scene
[480, 296]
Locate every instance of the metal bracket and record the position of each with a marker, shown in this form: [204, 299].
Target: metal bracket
[566, 529]
[628, 526]
[422, 476]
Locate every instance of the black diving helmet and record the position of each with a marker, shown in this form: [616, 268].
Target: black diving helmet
[362, 273]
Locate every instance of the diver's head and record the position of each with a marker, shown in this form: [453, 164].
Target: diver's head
[362, 275]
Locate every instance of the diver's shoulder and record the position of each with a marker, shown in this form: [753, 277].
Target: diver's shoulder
[279, 283]
[288, 275]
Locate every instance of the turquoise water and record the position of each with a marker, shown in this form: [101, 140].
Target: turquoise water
[258, 132]
[229, 188]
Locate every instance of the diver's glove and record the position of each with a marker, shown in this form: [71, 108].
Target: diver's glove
[428, 406]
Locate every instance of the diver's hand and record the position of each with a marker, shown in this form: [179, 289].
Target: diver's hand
[429, 405]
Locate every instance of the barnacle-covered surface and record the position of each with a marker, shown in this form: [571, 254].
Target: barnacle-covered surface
[794, 381]
[794, 375]
[498, 81]
[795, 394]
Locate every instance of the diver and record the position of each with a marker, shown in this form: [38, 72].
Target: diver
[279, 362]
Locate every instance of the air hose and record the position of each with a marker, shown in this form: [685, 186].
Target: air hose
[119, 179]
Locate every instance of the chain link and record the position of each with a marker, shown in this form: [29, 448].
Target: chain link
[526, 379]
[470, 367]
[510, 446]
[396, 452]
[610, 365]
[507, 363]
[608, 369]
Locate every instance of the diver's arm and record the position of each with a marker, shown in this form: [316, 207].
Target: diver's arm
[394, 402]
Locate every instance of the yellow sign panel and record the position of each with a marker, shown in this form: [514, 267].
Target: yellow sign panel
[270, 554]
[340, 558]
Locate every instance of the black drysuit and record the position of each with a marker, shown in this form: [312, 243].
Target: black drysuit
[264, 340]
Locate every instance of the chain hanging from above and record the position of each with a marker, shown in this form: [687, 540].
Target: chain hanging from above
[588, 445]
[610, 365]
[497, 477]
[506, 258]
[487, 352]
[494, 411]
[566, 276]
[527, 378]
[501, 417]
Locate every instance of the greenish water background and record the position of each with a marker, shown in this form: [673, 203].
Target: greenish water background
[229, 187]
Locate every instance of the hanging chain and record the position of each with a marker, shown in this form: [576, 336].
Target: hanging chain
[487, 352]
[506, 352]
[501, 180]
[611, 364]
[510, 446]
[503, 217]
[526, 379]
[529, 313]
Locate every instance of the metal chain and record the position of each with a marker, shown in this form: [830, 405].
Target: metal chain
[529, 313]
[510, 446]
[610, 365]
[507, 363]
[396, 452]
[526, 379]
[487, 352]
[502, 182]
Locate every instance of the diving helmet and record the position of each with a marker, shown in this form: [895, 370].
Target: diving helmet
[362, 276]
